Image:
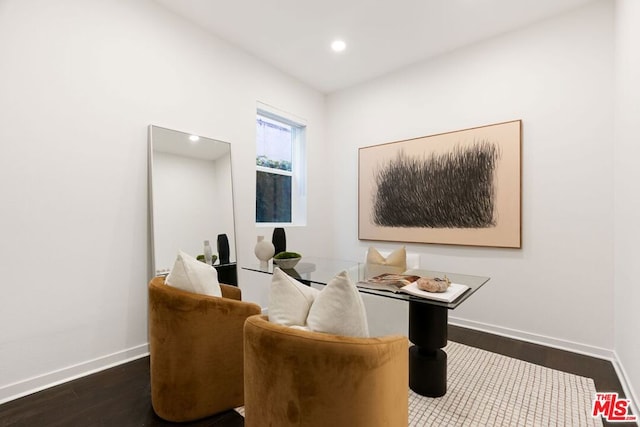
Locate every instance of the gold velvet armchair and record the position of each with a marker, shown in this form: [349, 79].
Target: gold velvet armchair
[301, 378]
[196, 351]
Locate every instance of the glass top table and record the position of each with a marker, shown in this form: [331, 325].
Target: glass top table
[428, 319]
[320, 270]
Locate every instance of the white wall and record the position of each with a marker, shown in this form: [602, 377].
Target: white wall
[224, 188]
[627, 198]
[557, 76]
[183, 216]
[80, 82]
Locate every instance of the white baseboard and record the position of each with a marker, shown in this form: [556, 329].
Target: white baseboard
[629, 392]
[574, 347]
[50, 379]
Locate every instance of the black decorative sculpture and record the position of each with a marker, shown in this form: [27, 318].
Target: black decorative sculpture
[279, 240]
[223, 248]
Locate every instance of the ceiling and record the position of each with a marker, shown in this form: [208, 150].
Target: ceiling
[381, 35]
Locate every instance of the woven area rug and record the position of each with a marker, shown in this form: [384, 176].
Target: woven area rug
[488, 389]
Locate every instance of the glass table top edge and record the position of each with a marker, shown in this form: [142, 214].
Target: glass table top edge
[319, 271]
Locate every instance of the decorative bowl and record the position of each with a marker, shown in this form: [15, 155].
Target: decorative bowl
[286, 260]
[286, 263]
[214, 258]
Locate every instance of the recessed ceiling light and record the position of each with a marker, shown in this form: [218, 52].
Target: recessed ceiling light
[194, 138]
[338, 45]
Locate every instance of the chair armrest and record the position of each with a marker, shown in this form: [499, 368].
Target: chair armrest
[231, 292]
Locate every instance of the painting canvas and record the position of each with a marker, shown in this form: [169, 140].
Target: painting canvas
[460, 188]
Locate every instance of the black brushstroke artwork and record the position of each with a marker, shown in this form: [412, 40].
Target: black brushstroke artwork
[449, 190]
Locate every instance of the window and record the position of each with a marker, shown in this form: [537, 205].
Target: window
[280, 170]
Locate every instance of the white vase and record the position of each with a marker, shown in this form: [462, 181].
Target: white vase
[264, 251]
[208, 254]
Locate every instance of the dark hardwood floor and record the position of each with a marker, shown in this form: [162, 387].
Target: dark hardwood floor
[120, 396]
[601, 371]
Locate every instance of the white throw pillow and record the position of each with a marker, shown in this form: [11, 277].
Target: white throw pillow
[191, 275]
[338, 309]
[395, 263]
[289, 300]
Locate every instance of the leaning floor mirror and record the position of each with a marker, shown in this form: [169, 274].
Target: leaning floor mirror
[191, 200]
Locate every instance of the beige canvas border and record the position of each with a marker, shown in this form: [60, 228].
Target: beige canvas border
[505, 230]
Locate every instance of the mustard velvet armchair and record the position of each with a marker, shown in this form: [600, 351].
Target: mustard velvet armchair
[301, 378]
[196, 351]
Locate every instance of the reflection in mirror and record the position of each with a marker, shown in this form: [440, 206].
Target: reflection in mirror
[191, 196]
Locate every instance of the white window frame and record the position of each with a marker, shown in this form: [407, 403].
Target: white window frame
[298, 165]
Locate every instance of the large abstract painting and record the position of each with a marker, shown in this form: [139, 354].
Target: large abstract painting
[460, 188]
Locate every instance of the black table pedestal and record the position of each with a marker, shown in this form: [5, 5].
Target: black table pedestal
[427, 362]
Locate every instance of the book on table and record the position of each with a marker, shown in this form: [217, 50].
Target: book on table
[408, 284]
